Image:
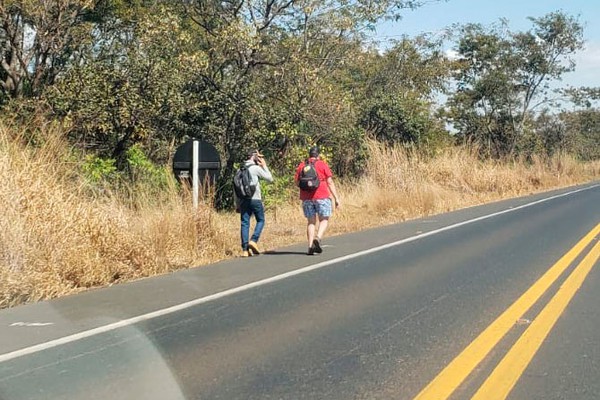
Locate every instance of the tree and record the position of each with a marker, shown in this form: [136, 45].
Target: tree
[583, 133]
[582, 125]
[398, 92]
[39, 39]
[253, 42]
[500, 75]
[130, 88]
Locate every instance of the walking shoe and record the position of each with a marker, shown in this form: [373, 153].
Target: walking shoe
[253, 246]
[310, 251]
[246, 253]
[317, 246]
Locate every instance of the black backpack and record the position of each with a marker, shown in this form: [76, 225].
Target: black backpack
[242, 183]
[309, 180]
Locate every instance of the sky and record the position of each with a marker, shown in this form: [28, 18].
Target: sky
[435, 16]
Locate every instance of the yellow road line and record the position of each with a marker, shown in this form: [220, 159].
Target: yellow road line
[443, 385]
[499, 384]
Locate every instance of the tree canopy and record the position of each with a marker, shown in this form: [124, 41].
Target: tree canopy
[502, 76]
[283, 75]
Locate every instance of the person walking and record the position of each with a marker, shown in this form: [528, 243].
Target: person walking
[253, 206]
[316, 197]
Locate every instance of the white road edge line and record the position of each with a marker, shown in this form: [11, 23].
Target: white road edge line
[144, 317]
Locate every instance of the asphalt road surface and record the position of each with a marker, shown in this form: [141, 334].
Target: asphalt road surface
[491, 302]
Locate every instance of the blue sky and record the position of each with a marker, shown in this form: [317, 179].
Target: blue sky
[435, 16]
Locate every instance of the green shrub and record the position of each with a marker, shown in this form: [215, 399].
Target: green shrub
[98, 169]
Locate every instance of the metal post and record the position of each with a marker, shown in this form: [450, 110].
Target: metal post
[195, 173]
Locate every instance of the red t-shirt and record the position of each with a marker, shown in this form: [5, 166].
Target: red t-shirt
[323, 172]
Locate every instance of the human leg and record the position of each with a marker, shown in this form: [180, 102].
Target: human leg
[310, 228]
[310, 232]
[323, 223]
[324, 210]
[245, 214]
[310, 213]
[258, 210]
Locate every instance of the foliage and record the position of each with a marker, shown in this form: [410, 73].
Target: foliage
[97, 169]
[394, 119]
[132, 79]
[280, 192]
[143, 169]
[500, 73]
[399, 88]
[130, 90]
[583, 133]
[584, 97]
[39, 40]
[273, 64]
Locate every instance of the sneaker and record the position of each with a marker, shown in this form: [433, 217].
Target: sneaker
[246, 253]
[316, 245]
[311, 251]
[253, 246]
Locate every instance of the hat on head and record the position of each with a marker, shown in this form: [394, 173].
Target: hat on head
[313, 151]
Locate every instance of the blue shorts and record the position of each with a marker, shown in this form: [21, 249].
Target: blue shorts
[321, 206]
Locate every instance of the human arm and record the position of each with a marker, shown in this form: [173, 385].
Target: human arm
[328, 175]
[263, 172]
[333, 191]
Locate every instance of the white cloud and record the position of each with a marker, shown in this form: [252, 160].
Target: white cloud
[590, 56]
[587, 69]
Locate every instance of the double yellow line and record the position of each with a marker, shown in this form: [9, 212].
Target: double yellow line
[503, 378]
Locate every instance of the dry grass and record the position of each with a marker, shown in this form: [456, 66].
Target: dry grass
[57, 238]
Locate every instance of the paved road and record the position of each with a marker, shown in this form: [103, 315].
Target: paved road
[380, 314]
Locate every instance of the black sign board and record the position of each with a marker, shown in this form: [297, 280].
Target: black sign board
[209, 162]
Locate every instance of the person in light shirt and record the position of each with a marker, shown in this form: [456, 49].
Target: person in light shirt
[248, 207]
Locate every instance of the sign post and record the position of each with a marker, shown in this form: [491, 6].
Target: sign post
[195, 172]
[196, 163]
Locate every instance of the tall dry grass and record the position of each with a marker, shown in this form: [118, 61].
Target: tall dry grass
[58, 237]
[403, 183]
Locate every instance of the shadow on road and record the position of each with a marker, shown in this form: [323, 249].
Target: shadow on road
[281, 253]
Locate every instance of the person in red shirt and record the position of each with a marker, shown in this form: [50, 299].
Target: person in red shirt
[317, 202]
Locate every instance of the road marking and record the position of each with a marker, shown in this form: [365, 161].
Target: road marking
[446, 382]
[169, 310]
[506, 374]
[35, 324]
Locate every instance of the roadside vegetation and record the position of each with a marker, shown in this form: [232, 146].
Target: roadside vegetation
[62, 233]
[95, 96]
